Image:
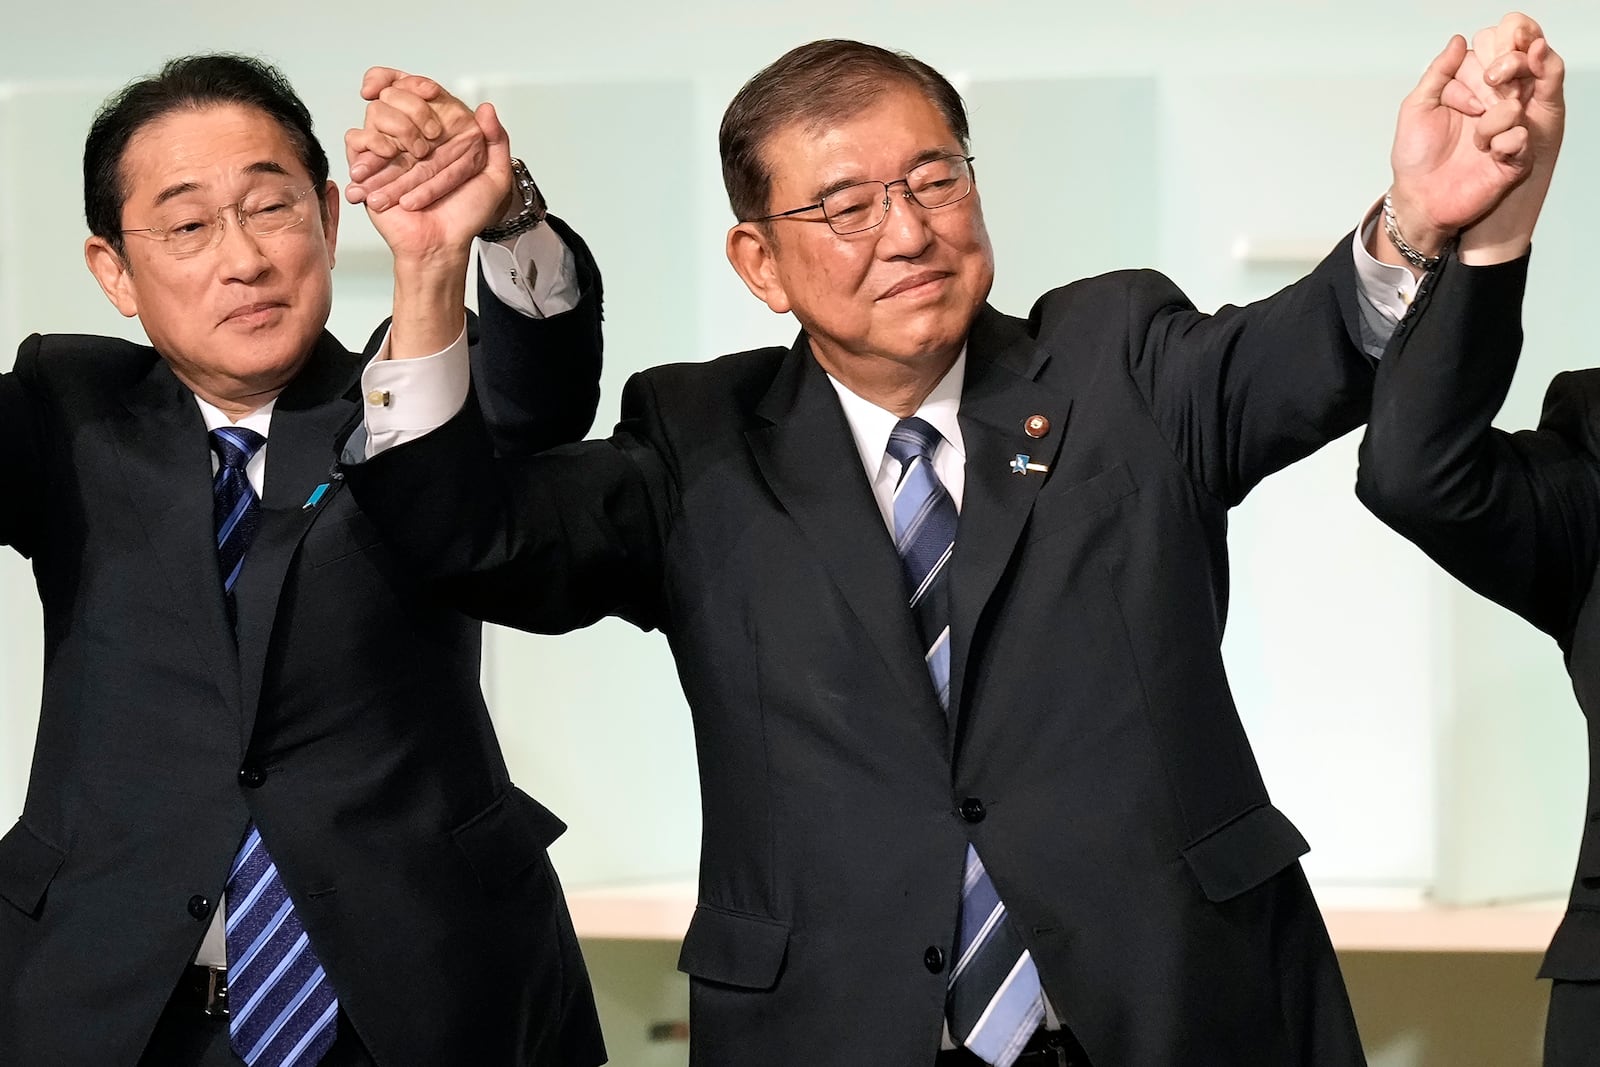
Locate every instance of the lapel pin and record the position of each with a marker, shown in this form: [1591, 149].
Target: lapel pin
[315, 498]
[1022, 465]
[1035, 425]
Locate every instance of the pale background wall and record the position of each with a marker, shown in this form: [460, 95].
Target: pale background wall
[1417, 736]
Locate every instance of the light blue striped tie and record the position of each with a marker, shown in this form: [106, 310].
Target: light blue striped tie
[281, 1009]
[995, 1002]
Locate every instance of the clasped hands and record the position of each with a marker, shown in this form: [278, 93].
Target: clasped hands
[1477, 140]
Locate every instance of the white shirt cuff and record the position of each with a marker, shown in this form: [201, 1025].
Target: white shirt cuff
[1389, 288]
[403, 399]
[533, 273]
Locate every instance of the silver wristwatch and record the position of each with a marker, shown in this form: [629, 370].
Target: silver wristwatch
[533, 207]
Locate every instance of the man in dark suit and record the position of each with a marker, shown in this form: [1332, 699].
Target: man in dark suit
[972, 792]
[246, 699]
[1515, 516]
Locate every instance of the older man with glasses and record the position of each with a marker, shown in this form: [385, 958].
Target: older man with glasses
[946, 591]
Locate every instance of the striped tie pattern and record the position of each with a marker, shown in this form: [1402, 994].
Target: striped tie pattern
[995, 1001]
[236, 511]
[282, 1011]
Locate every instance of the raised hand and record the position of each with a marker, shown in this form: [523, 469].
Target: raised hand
[1517, 62]
[1454, 157]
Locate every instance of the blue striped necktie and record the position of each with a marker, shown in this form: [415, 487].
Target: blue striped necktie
[995, 1002]
[281, 1009]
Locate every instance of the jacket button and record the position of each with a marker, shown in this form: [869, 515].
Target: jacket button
[972, 809]
[251, 776]
[933, 959]
[199, 906]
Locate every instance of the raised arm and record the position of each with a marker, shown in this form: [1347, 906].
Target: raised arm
[423, 163]
[1244, 392]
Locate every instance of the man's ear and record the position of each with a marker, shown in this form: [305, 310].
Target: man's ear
[330, 217]
[752, 249]
[115, 276]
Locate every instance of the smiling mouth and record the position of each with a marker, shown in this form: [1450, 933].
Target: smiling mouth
[249, 311]
[914, 283]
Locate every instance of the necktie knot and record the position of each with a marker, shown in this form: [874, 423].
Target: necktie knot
[913, 437]
[235, 446]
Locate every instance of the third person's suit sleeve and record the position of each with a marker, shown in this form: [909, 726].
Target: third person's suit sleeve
[1514, 516]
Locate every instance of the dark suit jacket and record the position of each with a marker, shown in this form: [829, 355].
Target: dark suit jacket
[1516, 516]
[346, 721]
[1099, 764]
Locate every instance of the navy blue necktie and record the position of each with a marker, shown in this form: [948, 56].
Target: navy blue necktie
[235, 511]
[281, 1009]
[995, 1001]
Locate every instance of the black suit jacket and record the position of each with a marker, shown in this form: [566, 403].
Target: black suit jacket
[1515, 516]
[1098, 762]
[346, 721]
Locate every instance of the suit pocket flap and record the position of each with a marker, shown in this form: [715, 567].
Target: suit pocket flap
[1245, 852]
[1574, 953]
[507, 837]
[28, 864]
[734, 948]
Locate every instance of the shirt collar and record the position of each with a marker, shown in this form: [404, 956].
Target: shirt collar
[258, 420]
[871, 425]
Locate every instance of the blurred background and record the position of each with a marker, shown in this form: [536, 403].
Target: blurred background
[1425, 742]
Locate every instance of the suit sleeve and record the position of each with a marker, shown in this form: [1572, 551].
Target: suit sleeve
[549, 542]
[538, 380]
[1516, 517]
[1248, 390]
[22, 457]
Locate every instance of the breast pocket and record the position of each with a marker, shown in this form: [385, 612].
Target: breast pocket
[1060, 508]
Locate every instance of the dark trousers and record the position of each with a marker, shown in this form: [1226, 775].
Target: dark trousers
[185, 1036]
[1572, 1029]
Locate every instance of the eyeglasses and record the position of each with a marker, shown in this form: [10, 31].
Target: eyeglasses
[934, 184]
[262, 213]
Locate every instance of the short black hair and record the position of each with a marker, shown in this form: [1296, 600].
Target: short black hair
[817, 84]
[193, 83]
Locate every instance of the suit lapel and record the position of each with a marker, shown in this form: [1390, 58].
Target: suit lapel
[809, 459]
[1000, 394]
[300, 456]
[166, 465]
